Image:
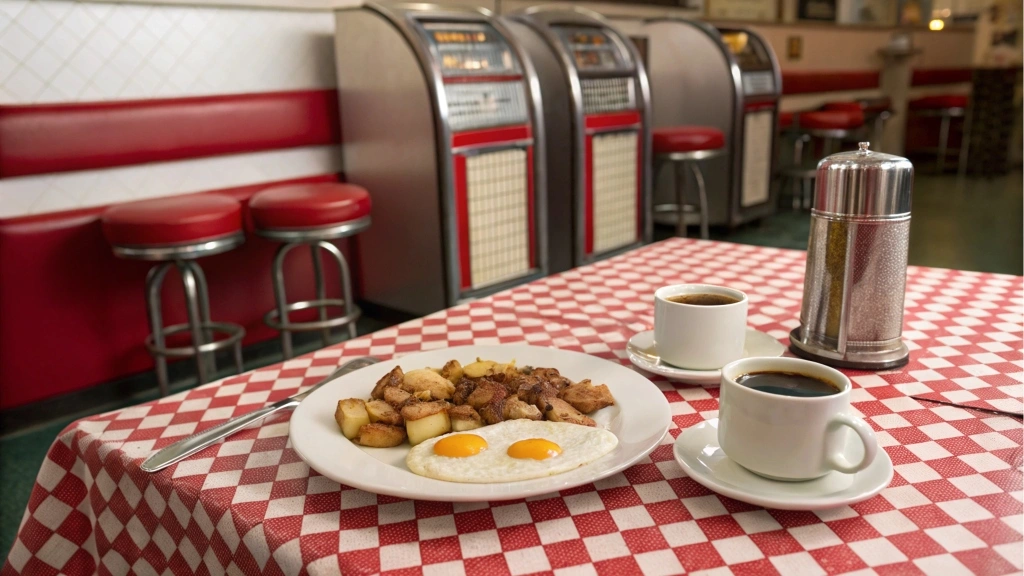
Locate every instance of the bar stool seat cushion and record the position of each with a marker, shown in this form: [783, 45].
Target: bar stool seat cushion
[847, 106]
[786, 120]
[939, 102]
[309, 206]
[831, 119]
[175, 220]
[687, 139]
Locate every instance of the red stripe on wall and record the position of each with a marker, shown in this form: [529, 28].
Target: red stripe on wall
[813, 82]
[530, 206]
[933, 76]
[462, 221]
[612, 120]
[490, 136]
[588, 195]
[40, 139]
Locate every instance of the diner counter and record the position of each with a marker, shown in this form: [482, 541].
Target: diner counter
[250, 505]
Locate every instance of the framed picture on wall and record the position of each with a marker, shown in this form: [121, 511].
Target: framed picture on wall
[819, 10]
[755, 10]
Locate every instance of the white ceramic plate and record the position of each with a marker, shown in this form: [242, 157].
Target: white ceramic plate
[697, 451]
[644, 355]
[639, 419]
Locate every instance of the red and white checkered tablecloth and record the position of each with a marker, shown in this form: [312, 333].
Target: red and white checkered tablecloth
[250, 506]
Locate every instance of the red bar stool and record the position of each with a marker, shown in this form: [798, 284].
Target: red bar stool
[829, 127]
[683, 146]
[176, 231]
[311, 215]
[877, 112]
[946, 107]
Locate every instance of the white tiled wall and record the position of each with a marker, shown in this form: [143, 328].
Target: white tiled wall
[62, 51]
[59, 51]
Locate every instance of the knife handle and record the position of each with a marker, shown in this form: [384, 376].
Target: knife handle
[188, 446]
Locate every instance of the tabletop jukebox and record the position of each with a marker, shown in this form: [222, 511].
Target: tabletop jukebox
[443, 124]
[596, 109]
[727, 78]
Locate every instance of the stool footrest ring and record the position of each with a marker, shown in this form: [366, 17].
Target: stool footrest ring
[234, 332]
[271, 318]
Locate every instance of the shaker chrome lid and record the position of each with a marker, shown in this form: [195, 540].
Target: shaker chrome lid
[864, 183]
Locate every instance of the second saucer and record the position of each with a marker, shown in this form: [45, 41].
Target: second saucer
[644, 355]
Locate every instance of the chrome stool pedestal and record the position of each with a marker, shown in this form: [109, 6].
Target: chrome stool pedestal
[200, 327]
[680, 161]
[316, 239]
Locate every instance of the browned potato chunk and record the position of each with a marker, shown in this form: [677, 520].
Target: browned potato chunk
[426, 380]
[397, 397]
[478, 369]
[552, 377]
[379, 435]
[587, 398]
[463, 389]
[350, 415]
[423, 395]
[516, 409]
[393, 378]
[452, 371]
[424, 420]
[493, 411]
[486, 392]
[537, 394]
[464, 418]
[381, 411]
[558, 410]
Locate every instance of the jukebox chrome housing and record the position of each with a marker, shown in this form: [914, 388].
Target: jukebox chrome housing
[597, 107]
[442, 123]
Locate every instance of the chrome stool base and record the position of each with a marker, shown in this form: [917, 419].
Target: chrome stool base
[316, 239]
[197, 305]
[681, 208]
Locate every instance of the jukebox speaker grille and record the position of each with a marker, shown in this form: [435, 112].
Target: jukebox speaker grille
[755, 83]
[615, 190]
[499, 233]
[607, 94]
[485, 104]
[758, 135]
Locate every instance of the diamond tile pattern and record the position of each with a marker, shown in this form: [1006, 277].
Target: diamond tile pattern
[61, 51]
[249, 505]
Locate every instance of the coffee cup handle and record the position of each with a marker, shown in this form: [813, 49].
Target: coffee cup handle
[838, 461]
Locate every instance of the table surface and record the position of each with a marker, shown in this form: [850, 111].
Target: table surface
[250, 505]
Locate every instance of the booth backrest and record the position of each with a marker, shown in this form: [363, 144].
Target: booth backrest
[71, 314]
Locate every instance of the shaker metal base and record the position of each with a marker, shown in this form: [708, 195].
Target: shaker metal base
[856, 361]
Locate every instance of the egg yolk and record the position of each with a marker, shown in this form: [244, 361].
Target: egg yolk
[460, 446]
[536, 448]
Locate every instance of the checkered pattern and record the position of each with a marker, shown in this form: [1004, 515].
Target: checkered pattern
[250, 505]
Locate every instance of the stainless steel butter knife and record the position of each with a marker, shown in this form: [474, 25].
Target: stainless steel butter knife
[188, 446]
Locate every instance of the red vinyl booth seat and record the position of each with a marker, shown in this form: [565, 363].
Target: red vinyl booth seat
[309, 206]
[686, 139]
[939, 102]
[172, 220]
[73, 315]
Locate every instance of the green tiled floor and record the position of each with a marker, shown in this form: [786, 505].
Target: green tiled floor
[976, 225]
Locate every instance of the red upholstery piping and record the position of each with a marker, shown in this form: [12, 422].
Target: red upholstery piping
[933, 76]
[40, 139]
[814, 82]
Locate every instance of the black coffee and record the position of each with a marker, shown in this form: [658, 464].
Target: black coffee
[703, 299]
[788, 384]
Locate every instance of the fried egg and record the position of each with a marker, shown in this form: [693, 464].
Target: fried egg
[509, 451]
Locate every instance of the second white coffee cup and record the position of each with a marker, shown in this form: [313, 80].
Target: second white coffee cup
[699, 337]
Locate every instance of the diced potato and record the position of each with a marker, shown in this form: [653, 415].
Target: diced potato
[464, 418]
[397, 397]
[423, 395]
[391, 379]
[418, 410]
[452, 371]
[516, 409]
[381, 411]
[478, 369]
[379, 435]
[587, 398]
[350, 415]
[426, 380]
[428, 427]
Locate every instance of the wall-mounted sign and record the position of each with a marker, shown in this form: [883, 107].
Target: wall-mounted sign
[756, 10]
[823, 10]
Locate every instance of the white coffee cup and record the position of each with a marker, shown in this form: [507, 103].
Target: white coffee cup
[699, 337]
[789, 437]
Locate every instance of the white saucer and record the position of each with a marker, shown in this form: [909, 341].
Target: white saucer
[697, 451]
[643, 355]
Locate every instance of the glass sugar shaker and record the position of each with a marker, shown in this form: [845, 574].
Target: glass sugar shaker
[855, 280]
